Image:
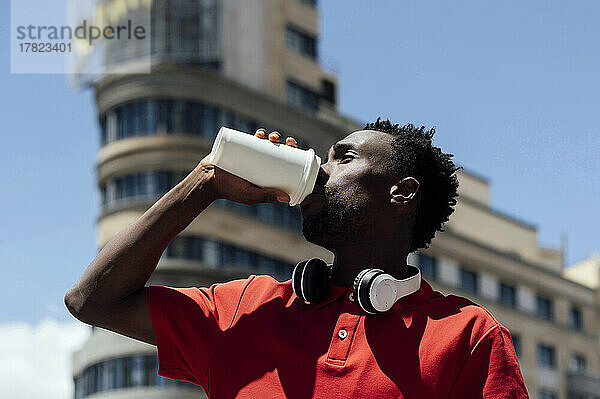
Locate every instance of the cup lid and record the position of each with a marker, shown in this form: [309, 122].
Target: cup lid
[217, 148]
[309, 177]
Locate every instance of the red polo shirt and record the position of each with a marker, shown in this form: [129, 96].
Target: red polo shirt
[254, 338]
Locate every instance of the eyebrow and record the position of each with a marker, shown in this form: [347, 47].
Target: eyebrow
[339, 147]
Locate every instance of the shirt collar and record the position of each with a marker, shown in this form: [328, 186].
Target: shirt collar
[424, 293]
[335, 292]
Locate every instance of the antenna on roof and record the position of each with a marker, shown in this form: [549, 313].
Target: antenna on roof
[564, 246]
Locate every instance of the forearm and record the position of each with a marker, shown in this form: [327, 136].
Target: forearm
[126, 262]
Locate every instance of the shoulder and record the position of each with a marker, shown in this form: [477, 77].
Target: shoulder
[224, 302]
[255, 288]
[468, 319]
[262, 289]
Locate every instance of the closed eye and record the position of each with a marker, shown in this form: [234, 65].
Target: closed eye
[346, 158]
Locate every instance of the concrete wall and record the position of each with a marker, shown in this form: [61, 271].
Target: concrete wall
[244, 51]
[473, 187]
[586, 272]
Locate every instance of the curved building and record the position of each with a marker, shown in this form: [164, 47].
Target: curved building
[214, 63]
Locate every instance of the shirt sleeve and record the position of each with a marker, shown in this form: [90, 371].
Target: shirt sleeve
[492, 370]
[188, 325]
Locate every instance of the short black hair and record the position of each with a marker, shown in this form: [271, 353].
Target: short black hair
[413, 154]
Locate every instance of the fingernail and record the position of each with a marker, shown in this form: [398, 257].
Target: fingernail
[283, 198]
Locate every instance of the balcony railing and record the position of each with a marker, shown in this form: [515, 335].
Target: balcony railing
[583, 384]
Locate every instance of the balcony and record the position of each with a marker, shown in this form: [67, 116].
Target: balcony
[583, 384]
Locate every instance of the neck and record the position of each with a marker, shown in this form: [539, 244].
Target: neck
[381, 254]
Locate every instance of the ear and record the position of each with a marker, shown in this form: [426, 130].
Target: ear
[404, 192]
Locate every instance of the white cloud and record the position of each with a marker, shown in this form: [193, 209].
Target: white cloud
[35, 361]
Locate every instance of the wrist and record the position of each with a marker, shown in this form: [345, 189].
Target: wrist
[202, 184]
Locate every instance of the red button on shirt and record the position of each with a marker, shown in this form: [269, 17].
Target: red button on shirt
[254, 338]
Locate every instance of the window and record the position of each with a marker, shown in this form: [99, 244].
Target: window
[428, 266]
[267, 264]
[507, 295]
[103, 195]
[276, 213]
[150, 117]
[176, 122]
[186, 31]
[111, 127]
[547, 394]
[134, 119]
[300, 42]
[194, 122]
[189, 30]
[212, 253]
[129, 120]
[577, 363]
[127, 369]
[216, 254]
[119, 374]
[136, 370]
[107, 380]
[141, 186]
[157, 116]
[79, 388]
[544, 307]
[210, 121]
[575, 319]
[150, 185]
[122, 120]
[328, 91]
[99, 377]
[516, 340]
[103, 132]
[266, 213]
[312, 3]
[546, 356]
[469, 281]
[302, 97]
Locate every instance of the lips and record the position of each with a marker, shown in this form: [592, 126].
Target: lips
[315, 196]
[309, 200]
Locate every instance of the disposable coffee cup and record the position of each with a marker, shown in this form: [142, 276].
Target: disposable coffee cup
[266, 164]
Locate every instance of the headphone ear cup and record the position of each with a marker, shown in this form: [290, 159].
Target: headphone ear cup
[297, 279]
[314, 280]
[362, 287]
[356, 283]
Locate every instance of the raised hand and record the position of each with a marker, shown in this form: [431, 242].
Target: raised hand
[234, 188]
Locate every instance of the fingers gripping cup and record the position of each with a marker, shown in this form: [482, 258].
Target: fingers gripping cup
[266, 164]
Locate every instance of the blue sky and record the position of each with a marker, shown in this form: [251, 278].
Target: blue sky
[512, 88]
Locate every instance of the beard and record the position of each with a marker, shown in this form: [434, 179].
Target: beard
[343, 216]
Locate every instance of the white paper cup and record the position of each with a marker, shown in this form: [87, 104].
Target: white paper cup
[266, 164]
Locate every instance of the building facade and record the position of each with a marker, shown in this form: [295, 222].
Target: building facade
[494, 259]
[254, 63]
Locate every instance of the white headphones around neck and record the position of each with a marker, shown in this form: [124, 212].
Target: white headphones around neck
[374, 291]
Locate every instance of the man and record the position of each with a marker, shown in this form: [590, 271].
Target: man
[381, 193]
